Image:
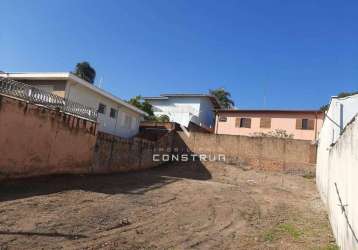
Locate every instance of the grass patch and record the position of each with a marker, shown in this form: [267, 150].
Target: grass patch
[280, 230]
[291, 230]
[330, 247]
[309, 176]
[269, 236]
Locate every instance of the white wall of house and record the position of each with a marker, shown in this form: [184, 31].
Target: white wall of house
[340, 112]
[185, 109]
[126, 122]
[337, 164]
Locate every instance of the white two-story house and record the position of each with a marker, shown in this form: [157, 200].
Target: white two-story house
[186, 108]
[115, 116]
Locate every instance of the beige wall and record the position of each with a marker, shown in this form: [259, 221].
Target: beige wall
[115, 154]
[282, 120]
[266, 153]
[38, 141]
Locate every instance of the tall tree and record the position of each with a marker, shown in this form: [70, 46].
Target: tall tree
[223, 96]
[85, 71]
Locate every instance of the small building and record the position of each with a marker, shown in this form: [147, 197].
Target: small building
[185, 109]
[300, 124]
[115, 116]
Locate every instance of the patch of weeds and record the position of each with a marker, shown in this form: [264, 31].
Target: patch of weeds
[309, 176]
[330, 247]
[280, 230]
[291, 230]
[269, 236]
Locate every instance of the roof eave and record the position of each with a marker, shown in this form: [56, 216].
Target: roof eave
[106, 94]
[265, 111]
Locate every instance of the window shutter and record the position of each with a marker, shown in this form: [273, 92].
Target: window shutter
[298, 123]
[265, 122]
[310, 124]
[248, 122]
[237, 122]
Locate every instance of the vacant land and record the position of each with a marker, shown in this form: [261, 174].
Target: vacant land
[177, 206]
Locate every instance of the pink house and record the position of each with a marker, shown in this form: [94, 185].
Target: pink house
[299, 124]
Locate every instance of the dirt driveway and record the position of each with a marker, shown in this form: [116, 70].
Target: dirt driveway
[178, 206]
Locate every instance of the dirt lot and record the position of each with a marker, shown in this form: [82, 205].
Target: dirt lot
[178, 206]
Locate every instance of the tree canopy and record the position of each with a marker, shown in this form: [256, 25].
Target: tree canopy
[144, 105]
[224, 97]
[85, 71]
[138, 102]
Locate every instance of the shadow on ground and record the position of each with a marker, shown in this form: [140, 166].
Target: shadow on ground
[129, 183]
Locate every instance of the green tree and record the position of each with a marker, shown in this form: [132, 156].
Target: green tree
[223, 96]
[163, 118]
[345, 94]
[324, 107]
[138, 102]
[85, 71]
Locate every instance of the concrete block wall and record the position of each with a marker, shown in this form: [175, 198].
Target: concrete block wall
[116, 154]
[38, 141]
[35, 140]
[264, 153]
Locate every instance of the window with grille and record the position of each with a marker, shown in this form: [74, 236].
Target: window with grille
[265, 122]
[222, 119]
[305, 124]
[101, 108]
[113, 113]
[243, 122]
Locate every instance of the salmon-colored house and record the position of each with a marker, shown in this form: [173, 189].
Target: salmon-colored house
[299, 124]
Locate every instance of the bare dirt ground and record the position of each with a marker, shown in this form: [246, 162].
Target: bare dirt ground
[177, 206]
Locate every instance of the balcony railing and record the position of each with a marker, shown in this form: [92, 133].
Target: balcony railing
[37, 96]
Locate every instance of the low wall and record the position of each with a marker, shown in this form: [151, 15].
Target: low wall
[38, 141]
[264, 153]
[337, 174]
[116, 154]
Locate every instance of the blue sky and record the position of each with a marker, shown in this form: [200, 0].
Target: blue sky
[296, 53]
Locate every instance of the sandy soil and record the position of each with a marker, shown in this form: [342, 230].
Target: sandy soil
[177, 206]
